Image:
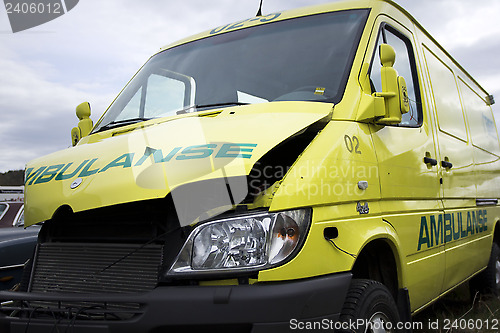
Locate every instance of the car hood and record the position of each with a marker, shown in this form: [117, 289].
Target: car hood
[151, 159]
[8, 234]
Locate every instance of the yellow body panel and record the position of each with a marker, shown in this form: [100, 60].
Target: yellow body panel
[115, 168]
[319, 257]
[467, 244]
[330, 169]
[423, 265]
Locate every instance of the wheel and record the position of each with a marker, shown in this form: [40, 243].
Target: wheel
[488, 281]
[370, 303]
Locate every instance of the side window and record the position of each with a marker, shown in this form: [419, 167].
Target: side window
[482, 125]
[405, 66]
[445, 91]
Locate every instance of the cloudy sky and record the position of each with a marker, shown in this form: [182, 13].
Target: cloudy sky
[91, 52]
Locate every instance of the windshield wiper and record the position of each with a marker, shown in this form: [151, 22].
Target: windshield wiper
[209, 106]
[118, 123]
[124, 122]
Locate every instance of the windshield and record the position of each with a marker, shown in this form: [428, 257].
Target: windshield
[302, 59]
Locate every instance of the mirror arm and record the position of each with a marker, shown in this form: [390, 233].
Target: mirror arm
[387, 94]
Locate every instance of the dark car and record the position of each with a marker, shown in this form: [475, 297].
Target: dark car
[11, 214]
[16, 243]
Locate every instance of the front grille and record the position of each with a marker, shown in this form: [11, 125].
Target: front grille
[64, 311]
[96, 268]
[91, 268]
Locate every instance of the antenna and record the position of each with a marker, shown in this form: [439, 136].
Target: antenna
[259, 13]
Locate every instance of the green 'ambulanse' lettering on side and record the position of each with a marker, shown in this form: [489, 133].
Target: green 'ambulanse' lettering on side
[450, 227]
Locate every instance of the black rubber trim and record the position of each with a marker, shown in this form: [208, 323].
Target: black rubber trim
[265, 307]
[404, 308]
[486, 202]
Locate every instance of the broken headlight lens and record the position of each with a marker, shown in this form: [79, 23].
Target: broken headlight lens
[249, 242]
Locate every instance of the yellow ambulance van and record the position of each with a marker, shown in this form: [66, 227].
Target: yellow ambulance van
[331, 167]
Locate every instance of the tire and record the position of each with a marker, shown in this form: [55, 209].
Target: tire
[488, 281]
[371, 302]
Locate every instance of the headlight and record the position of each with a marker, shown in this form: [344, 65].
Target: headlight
[249, 242]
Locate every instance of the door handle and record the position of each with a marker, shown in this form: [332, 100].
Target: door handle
[446, 164]
[431, 161]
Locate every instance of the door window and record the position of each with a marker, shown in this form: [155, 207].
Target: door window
[405, 66]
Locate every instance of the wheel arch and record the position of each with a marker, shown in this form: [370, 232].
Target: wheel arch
[496, 232]
[63, 211]
[379, 260]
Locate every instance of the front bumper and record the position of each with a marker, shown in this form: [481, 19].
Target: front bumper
[244, 308]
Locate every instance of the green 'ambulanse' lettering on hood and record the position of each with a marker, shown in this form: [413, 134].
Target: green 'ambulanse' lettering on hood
[57, 172]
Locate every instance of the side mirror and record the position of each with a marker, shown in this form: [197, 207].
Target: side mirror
[84, 125]
[394, 91]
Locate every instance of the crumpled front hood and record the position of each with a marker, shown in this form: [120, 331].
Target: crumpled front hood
[151, 159]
